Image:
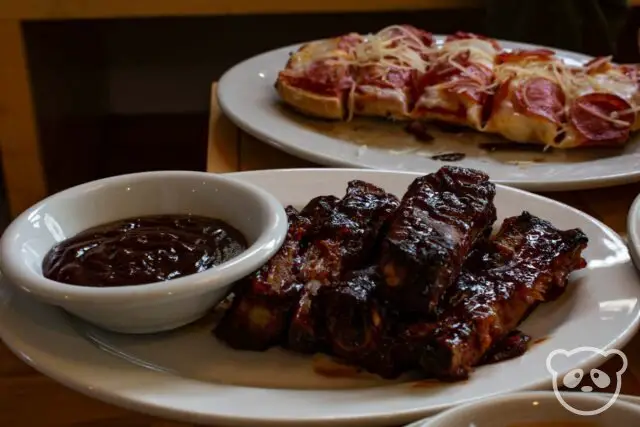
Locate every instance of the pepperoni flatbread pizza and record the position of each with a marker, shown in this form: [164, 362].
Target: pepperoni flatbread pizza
[402, 73]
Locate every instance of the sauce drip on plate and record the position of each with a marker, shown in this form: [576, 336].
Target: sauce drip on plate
[449, 157]
[142, 250]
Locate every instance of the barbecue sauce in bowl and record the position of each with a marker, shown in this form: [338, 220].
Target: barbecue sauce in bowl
[143, 250]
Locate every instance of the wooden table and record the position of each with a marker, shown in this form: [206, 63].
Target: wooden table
[27, 398]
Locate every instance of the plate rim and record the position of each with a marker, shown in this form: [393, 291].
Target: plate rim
[610, 179]
[626, 398]
[382, 418]
[633, 230]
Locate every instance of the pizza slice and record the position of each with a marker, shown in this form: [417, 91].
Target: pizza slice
[351, 75]
[602, 103]
[542, 100]
[604, 76]
[457, 85]
[317, 78]
[529, 103]
[385, 69]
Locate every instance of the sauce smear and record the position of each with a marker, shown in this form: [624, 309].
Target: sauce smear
[449, 157]
[142, 250]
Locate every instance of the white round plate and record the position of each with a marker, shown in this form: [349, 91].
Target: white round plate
[188, 375]
[247, 96]
[627, 398]
[542, 396]
[633, 231]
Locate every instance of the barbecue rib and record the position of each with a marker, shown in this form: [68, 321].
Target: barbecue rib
[258, 316]
[352, 315]
[515, 344]
[319, 210]
[527, 262]
[345, 240]
[361, 329]
[439, 219]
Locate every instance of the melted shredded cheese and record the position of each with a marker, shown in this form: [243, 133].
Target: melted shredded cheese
[595, 64]
[632, 110]
[464, 70]
[384, 48]
[351, 102]
[608, 118]
[479, 51]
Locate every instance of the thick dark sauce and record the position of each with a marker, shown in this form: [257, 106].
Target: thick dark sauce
[513, 146]
[419, 131]
[513, 345]
[143, 250]
[449, 157]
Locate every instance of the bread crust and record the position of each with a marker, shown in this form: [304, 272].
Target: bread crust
[322, 106]
[450, 108]
[381, 102]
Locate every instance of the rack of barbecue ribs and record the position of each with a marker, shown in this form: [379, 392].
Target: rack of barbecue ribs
[416, 284]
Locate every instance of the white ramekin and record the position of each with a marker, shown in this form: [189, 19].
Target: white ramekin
[150, 307]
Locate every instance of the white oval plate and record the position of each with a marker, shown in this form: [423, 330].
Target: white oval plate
[188, 375]
[633, 230]
[247, 96]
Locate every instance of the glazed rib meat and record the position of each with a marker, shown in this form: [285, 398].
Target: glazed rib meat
[259, 314]
[527, 263]
[360, 328]
[344, 241]
[352, 314]
[440, 218]
[515, 344]
[319, 210]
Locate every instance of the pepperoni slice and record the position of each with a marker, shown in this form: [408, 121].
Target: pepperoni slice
[469, 83]
[522, 55]
[540, 97]
[589, 115]
[385, 77]
[461, 35]
[469, 88]
[322, 78]
[443, 71]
